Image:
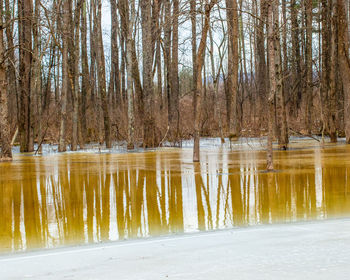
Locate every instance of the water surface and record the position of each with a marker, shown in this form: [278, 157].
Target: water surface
[68, 199]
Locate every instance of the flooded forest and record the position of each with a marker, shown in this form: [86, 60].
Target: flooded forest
[137, 118]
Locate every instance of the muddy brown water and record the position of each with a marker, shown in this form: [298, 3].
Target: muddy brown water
[69, 199]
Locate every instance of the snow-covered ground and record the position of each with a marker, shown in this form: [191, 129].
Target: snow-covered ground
[206, 144]
[314, 250]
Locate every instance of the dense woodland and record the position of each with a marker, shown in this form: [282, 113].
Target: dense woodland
[170, 70]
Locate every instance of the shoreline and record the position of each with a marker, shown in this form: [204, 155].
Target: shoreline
[161, 238]
[305, 244]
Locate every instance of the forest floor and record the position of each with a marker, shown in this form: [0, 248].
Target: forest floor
[313, 250]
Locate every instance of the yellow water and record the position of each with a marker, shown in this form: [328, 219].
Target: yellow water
[69, 199]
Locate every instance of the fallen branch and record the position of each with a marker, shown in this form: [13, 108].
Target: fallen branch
[42, 140]
[305, 135]
[14, 137]
[166, 134]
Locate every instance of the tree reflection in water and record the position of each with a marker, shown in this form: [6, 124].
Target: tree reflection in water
[70, 199]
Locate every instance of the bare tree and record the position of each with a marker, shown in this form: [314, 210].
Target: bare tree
[5, 141]
[25, 16]
[272, 78]
[232, 71]
[65, 78]
[344, 62]
[149, 126]
[102, 77]
[173, 102]
[127, 21]
[199, 65]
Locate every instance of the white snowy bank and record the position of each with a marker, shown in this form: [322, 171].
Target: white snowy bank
[313, 250]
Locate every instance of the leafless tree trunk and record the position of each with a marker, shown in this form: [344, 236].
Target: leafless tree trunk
[261, 68]
[308, 66]
[65, 79]
[148, 94]
[127, 20]
[199, 66]
[344, 62]
[115, 74]
[5, 136]
[167, 55]
[86, 87]
[296, 58]
[193, 14]
[273, 83]
[75, 79]
[232, 71]
[333, 63]
[25, 15]
[281, 119]
[174, 110]
[11, 68]
[102, 78]
[36, 75]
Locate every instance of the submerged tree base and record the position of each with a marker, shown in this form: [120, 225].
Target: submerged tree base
[5, 159]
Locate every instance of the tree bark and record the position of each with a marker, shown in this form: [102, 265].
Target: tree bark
[115, 73]
[36, 93]
[127, 22]
[344, 62]
[102, 78]
[25, 14]
[149, 137]
[199, 66]
[86, 87]
[280, 88]
[332, 102]
[65, 79]
[232, 71]
[75, 79]
[296, 59]
[174, 113]
[12, 90]
[308, 65]
[193, 15]
[273, 83]
[5, 135]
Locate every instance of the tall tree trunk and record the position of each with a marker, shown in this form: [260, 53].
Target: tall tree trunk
[167, 56]
[127, 22]
[75, 79]
[11, 68]
[280, 88]
[86, 88]
[344, 62]
[296, 59]
[149, 138]
[328, 87]
[309, 71]
[36, 92]
[65, 79]
[332, 102]
[102, 78]
[115, 75]
[193, 14]
[199, 66]
[273, 83]
[5, 138]
[174, 113]
[285, 73]
[158, 22]
[232, 71]
[25, 14]
[261, 61]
